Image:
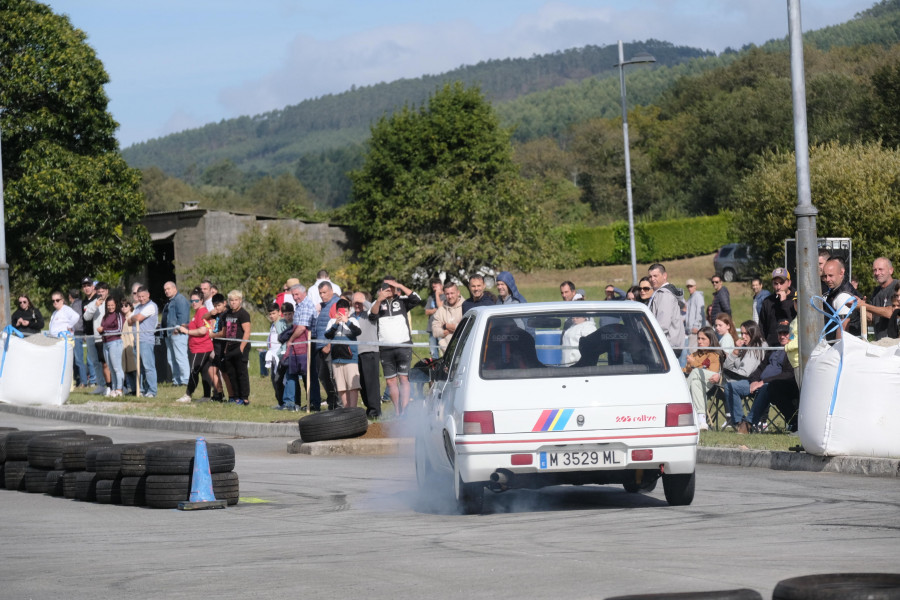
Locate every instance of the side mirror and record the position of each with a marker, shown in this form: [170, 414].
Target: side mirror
[439, 370]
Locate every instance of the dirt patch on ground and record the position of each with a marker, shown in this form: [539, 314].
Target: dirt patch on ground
[387, 429]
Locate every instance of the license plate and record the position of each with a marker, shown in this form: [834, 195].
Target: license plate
[591, 459]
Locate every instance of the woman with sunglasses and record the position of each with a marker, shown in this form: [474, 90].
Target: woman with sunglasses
[27, 318]
[645, 289]
[739, 366]
[63, 318]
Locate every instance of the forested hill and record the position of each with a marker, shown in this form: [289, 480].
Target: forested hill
[274, 141]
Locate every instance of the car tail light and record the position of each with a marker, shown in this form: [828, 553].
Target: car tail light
[478, 421]
[641, 455]
[679, 415]
[521, 459]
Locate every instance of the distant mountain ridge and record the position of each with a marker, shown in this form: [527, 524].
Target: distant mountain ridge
[272, 141]
[319, 140]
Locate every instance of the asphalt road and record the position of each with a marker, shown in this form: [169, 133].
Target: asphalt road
[356, 527]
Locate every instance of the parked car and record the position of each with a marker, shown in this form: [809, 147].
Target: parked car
[733, 262]
[532, 395]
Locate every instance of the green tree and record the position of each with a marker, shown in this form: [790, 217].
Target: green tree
[439, 192]
[259, 263]
[72, 204]
[854, 187]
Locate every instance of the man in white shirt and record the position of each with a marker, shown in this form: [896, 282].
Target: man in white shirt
[313, 290]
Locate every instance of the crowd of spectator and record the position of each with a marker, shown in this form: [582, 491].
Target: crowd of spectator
[322, 339]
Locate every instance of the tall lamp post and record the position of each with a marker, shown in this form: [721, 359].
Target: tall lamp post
[642, 57]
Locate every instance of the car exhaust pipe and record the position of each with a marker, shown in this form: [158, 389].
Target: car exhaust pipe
[502, 478]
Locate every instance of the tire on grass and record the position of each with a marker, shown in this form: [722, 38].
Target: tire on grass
[335, 424]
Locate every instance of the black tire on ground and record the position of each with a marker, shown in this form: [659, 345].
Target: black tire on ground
[679, 489]
[179, 460]
[109, 491]
[54, 485]
[105, 461]
[17, 441]
[132, 490]
[740, 594]
[469, 497]
[839, 586]
[74, 456]
[728, 275]
[35, 480]
[69, 482]
[14, 474]
[4, 431]
[134, 457]
[166, 491]
[3, 475]
[334, 424]
[45, 451]
[85, 486]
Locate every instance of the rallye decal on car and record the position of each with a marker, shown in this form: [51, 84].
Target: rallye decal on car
[553, 420]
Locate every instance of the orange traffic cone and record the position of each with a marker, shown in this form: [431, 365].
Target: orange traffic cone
[202, 495]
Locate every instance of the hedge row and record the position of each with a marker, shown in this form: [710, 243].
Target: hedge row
[657, 241]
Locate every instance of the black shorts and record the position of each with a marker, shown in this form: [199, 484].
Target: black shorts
[100, 355]
[395, 361]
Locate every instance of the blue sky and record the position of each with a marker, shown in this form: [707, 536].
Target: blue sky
[175, 65]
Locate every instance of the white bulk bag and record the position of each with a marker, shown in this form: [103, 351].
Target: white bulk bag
[36, 369]
[850, 401]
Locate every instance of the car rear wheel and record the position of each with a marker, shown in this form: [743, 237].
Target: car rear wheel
[646, 486]
[679, 489]
[469, 496]
[728, 275]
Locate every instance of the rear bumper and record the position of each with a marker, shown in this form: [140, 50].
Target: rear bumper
[674, 452]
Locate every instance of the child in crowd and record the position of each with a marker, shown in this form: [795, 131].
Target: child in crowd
[726, 331]
[343, 356]
[700, 364]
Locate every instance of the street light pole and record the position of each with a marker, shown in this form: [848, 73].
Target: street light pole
[643, 57]
[809, 321]
[4, 268]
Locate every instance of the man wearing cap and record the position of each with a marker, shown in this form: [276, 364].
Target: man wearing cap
[95, 371]
[693, 319]
[777, 307]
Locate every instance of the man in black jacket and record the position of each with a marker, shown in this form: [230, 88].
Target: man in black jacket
[778, 306]
[775, 382]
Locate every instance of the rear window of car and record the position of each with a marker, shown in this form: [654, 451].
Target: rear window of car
[570, 343]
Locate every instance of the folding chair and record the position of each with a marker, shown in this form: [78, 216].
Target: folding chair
[715, 407]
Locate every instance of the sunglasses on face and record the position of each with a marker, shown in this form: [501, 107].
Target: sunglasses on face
[194, 301]
[716, 282]
[55, 300]
[646, 289]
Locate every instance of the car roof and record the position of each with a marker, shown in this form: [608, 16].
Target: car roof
[547, 307]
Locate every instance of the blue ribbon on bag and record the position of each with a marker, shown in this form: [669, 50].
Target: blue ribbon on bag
[833, 321]
[9, 330]
[67, 335]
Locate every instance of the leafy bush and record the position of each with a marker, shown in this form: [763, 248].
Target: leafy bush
[259, 263]
[659, 241]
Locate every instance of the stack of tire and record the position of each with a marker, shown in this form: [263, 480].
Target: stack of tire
[91, 468]
[16, 451]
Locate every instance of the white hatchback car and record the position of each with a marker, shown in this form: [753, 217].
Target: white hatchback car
[531, 395]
